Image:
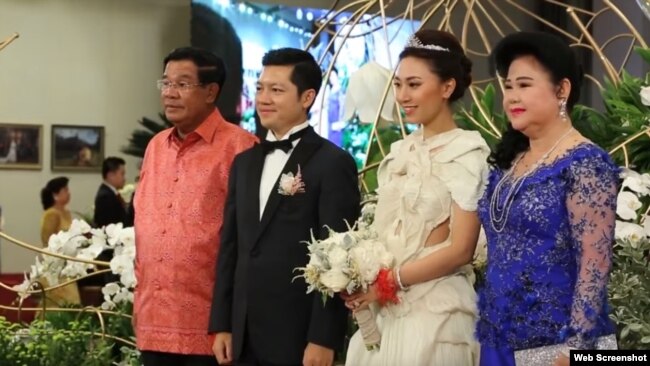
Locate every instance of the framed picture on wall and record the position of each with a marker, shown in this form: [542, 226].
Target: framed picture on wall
[77, 148]
[21, 146]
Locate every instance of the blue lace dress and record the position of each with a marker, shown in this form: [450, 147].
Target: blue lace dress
[548, 265]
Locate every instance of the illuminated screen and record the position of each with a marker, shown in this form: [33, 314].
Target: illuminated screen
[241, 33]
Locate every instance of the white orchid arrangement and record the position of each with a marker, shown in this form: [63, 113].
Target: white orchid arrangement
[629, 285]
[633, 224]
[83, 242]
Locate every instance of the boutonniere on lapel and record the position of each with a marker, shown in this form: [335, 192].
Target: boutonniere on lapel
[291, 184]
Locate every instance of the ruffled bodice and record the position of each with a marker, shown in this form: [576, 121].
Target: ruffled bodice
[418, 182]
[419, 179]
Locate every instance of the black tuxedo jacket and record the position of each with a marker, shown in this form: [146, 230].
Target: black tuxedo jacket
[257, 296]
[108, 208]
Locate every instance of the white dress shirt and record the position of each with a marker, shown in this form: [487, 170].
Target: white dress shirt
[274, 164]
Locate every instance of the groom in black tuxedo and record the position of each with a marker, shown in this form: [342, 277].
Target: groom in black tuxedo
[280, 191]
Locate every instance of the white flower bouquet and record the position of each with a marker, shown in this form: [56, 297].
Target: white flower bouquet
[349, 261]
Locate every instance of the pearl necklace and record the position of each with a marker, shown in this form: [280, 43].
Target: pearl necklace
[499, 213]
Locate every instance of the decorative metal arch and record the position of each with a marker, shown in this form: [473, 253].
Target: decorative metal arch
[480, 19]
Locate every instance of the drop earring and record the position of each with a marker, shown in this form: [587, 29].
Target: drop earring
[563, 112]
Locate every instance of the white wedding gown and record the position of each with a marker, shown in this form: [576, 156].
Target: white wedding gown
[434, 322]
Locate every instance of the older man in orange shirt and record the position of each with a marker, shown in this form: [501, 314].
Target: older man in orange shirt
[179, 210]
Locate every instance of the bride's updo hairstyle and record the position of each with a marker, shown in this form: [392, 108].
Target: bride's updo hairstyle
[445, 57]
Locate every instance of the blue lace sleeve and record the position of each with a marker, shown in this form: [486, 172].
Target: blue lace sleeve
[591, 204]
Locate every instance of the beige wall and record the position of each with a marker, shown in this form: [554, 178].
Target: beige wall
[90, 62]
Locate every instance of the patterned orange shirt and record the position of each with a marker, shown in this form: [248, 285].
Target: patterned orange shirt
[179, 206]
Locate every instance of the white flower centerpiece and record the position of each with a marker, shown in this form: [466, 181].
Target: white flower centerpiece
[83, 242]
[348, 261]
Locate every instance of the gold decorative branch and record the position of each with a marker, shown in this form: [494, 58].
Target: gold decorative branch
[63, 284]
[7, 41]
[43, 251]
[623, 146]
[609, 68]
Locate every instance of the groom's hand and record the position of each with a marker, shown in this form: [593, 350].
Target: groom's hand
[316, 355]
[222, 348]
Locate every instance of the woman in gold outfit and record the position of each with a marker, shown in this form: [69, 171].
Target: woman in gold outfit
[55, 196]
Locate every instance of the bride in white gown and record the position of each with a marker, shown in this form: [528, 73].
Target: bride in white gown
[429, 186]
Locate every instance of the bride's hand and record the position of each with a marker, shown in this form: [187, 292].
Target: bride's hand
[360, 299]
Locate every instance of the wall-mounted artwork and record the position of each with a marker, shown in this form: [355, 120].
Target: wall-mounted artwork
[77, 148]
[21, 146]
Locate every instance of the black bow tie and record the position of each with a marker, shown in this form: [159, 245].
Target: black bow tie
[284, 145]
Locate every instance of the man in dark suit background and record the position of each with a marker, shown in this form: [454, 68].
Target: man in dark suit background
[260, 313]
[110, 207]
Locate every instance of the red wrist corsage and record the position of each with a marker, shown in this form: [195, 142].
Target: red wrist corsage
[386, 287]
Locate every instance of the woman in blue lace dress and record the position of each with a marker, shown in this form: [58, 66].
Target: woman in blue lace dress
[548, 212]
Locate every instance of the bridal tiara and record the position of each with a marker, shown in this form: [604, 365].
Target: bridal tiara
[414, 42]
